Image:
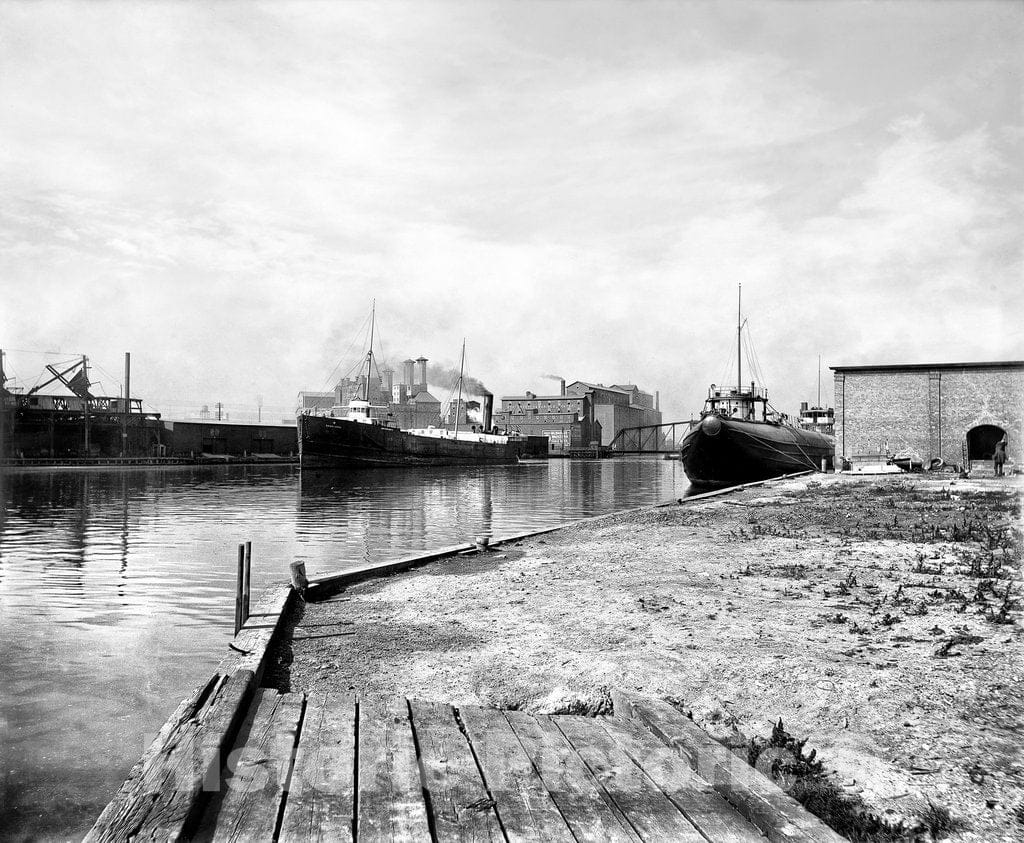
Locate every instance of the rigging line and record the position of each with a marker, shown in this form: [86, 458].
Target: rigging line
[753, 349]
[771, 447]
[345, 355]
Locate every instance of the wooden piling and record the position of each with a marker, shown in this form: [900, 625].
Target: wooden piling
[247, 582]
[238, 588]
[299, 581]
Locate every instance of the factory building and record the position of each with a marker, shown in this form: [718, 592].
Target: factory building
[950, 411]
[580, 415]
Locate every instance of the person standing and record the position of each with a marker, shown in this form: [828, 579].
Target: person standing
[999, 457]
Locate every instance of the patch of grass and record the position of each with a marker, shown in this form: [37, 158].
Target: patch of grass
[802, 776]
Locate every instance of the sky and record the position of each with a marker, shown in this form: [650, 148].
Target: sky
[574, 188]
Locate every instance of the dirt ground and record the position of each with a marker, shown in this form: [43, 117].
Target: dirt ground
[878, 617]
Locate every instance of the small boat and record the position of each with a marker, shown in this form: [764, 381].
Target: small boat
[740, 438]
[364, 436]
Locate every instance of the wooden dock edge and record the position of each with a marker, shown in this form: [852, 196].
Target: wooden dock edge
[328, 584]
[166, 790]
[775, 813]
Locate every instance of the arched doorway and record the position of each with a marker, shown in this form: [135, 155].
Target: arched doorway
[981, 441]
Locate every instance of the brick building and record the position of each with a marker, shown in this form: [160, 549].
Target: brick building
[582, 414]
[948, 410]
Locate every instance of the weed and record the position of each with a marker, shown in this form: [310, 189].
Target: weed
[890, 620]
[938, 822]
[782, 758]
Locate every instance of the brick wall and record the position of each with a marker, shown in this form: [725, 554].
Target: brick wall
[929, 410]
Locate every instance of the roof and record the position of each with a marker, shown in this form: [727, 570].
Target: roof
[598, 386]
[916, 367]
[424, 397]
[539, 397]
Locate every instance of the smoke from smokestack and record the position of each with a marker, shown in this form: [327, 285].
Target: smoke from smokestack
[448, 378]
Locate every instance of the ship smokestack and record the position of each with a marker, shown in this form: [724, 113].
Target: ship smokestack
[488, 410]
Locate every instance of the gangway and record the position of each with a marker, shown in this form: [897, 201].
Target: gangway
[650, 438]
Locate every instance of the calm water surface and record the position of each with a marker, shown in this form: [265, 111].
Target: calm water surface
[117, 589]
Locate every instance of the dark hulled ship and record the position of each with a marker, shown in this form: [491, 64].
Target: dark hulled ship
[741, 439]
[364, 435]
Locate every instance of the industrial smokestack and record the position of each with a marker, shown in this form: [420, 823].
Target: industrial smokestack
[388, 378]
[407, 372]
[488, 410]
[657, 400]
[422, 363]
[561, 383]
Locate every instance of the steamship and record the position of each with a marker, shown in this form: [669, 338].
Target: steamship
[364, 435]
[741, 439]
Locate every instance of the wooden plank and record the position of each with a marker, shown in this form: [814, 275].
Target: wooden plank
[524, 805]
[250, 646]
[651, 813]
[461, 807]
[705, 808]
[259, 764]
[588, 810]
[757, 798]
[188, 709]
[167, 796]
[390, 794]
[321, 795]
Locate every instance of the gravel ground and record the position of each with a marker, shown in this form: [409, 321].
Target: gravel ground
[847, 607]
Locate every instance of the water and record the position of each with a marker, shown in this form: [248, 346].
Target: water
[117, 589]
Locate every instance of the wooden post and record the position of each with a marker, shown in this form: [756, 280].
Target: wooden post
[238, 588]
[246, 583]
[299, 581]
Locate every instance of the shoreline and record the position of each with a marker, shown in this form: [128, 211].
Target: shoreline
[807, 601]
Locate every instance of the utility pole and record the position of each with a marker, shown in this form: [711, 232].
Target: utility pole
[127, 405]
[3, 408]
[219, 408]
[85, 371]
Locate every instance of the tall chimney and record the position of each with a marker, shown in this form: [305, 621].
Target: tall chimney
[657, 400]
[488, 410]
[407, 372]
[422, 380]
[562, 387]
[388, 377]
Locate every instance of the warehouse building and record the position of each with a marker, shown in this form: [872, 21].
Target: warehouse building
[956, 412]
[580, 415]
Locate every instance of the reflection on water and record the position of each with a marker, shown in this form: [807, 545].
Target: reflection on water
[117, 592]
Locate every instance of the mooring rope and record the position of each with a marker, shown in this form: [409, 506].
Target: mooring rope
[768, 445]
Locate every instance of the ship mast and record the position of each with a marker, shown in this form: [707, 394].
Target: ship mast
[739, 335]
[458, 402]
[369, 354]
[819, 380]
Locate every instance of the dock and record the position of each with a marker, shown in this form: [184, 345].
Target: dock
[239, 760]
[236, 763]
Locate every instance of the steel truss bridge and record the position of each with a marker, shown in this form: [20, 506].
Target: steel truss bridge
[650, 438]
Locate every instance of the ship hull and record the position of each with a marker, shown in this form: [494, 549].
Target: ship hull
[327, 442]
[725, 452]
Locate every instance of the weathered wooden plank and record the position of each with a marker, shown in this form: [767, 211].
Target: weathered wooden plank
[390, 794]
[584, 805]
[757, 798]
[524, 805]
[461, 807]
[651, 813]
[248, 805]
[704, 807]
[249, 647]
[320, 803]
[166, 797]
[188, 709]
